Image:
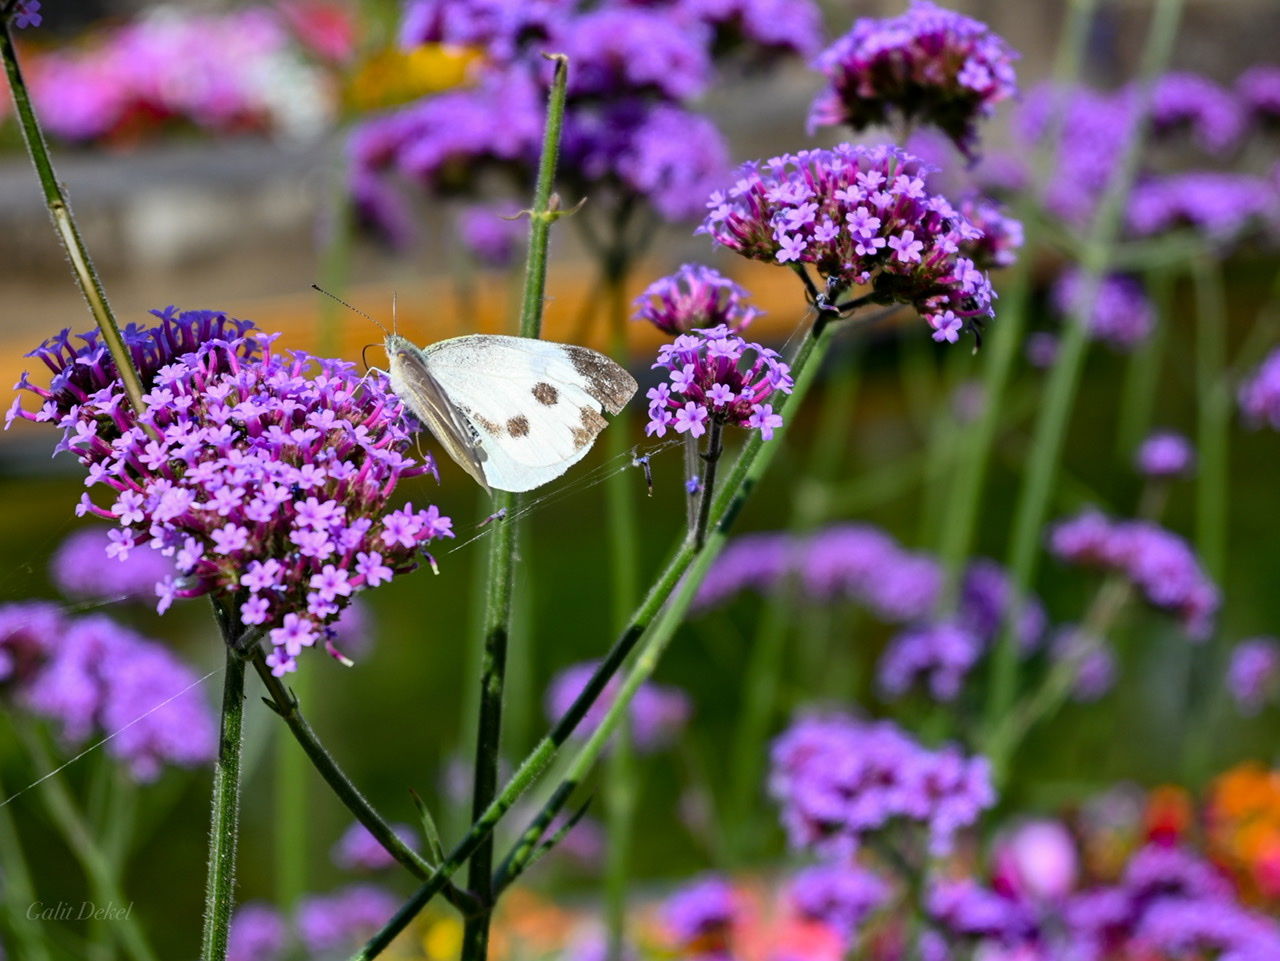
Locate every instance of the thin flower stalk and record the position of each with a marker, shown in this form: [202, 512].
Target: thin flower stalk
[1006, 341]
[496, 628]
[1054, 415]
[284, 702]
[224, 818]
[19, 889]
[1142, 376]
[64, 222]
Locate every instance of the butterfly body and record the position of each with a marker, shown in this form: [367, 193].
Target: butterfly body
[513, 412]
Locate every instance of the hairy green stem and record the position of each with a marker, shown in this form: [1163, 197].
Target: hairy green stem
[715, 448]
[284, 702]
[502, 545]
[750, 464]
[224, 819]
[64, 222]
[1054, 415]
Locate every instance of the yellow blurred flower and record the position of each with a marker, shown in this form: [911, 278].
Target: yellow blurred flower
[392, 76]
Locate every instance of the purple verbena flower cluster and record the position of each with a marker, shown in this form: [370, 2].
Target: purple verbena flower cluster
[863, 564]
[1225, 207]
[859, 215]
[701, 915]
[266, 477]
[1253, 673]
[1001, 236]
[630, 130]
[841, 896]
[258, 933]
[1188, 101]
[91, 676]
[1259, 90]
[339, 922]
[358, 850]
[940, 653]
[838, 779]
[493, 233]
[81, 568]
[658, 713]
[715, 376]
[1121, 315]
[695, 296]
[928, 65]
[1165, 453]
[1157, 562]
[1259, 395]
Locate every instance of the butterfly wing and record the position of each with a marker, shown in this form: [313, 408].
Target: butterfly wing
[536, 406]
[414, 384]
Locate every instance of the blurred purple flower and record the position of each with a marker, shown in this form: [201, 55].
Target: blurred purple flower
[1156, 561]
[928, 65]
[1253, 673]
[504, 28]
[1120, 315]
[700, 916]
[966, 907]
[938, 655]
[1042, 349]
[838, 779]
[493, 233]
[984, 601]
[1183, 100]
[860, 215]
[1259, 89]
[839, 895]
[85, 566]
[341, 921]
[658, 713]
[625, 51]
[265, 477]
[258, 933]
[695, 296]
[358, 850]
[1001, 236]
[1225, 207]
[100, 676]
[771, 27]
[29, 630]
[715, 376]
[1259, 395]
[758, 562]
[1165, 453]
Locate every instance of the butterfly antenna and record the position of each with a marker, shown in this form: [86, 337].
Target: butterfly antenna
[350, 307]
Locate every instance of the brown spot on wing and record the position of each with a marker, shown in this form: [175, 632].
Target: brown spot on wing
[518, 426]
[545, 394]
[592, 424]
[607, 382]
[488, 426]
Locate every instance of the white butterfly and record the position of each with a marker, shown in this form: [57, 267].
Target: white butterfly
[514, 412]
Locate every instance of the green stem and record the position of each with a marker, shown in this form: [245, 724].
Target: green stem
[64, 222]
[1051, 424]
[715, 448]
[224, 821]
[502, 545]
[1213, 416]
[19, 890]
[747, 469]
[1142, 376]
[284, 702]
[102, 874]
[1006, 339]
[621, 788]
